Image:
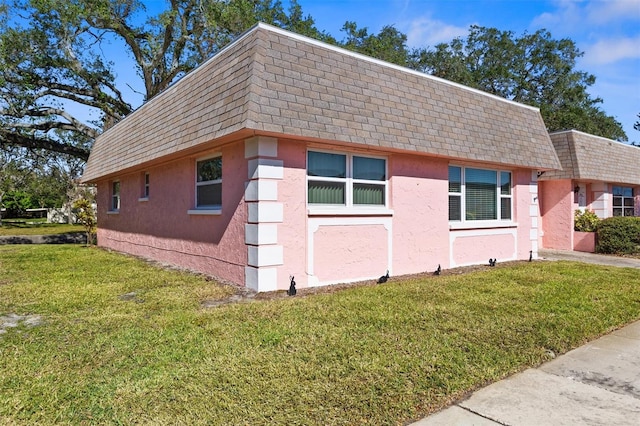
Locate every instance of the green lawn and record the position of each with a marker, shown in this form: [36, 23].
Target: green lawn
[11, 227]
[379, 354]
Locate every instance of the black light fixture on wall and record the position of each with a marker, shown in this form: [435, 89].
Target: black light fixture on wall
[576, 189]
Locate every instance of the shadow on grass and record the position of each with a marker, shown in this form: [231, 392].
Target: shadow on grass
[25, 224]
[69, 238]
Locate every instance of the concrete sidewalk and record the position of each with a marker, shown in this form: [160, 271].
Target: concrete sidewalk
[595, 384]
[600, 259]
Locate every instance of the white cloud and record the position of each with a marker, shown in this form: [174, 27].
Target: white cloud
[612, 11]
[607, 51]
[424, 32]
[567, 14]
[585, 14]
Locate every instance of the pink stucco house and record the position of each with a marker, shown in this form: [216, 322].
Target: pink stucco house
[284, 156]
[597, 174]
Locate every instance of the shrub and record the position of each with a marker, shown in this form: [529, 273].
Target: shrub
[619, 235]
[585, 221]
[87, 217]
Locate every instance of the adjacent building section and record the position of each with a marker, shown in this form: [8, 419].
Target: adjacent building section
[598, 174]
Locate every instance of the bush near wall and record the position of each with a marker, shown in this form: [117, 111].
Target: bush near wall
[585, 221]
[619, 235]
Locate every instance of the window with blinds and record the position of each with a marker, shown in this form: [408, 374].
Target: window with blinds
[346, 179]
[479, 194]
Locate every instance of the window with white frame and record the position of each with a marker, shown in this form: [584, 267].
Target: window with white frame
[623, 201]
[479, 194]
[209, 183]
[348, 180]
[115, 196]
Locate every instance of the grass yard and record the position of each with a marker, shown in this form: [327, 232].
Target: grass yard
[11, 227]
[379, 354]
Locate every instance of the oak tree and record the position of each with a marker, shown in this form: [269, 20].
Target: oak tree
[58, 60]
[533, 69]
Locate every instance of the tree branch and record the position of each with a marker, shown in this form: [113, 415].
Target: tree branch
[75, 123]
[7, 138]
[45, 126]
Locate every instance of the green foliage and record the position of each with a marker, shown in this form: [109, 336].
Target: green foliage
[585, 221]
[12, 175]
[619, 235]
[388, 45]
[229, 19]
[369, 354]
[534, 69]
[86, 215]
[16, 203]
[48, 190]
[27, 184]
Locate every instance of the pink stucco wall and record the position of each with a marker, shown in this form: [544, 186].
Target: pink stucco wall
[419, 225]
[350, 252]
[292, 192]
[556, 208]
[525, 200]
[162, 230]
[420, 200]
[324, 249]
[477, 249]
[412, 235]
[584, 241]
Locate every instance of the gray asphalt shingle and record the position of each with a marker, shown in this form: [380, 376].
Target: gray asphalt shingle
[588, 157]
[274, 82]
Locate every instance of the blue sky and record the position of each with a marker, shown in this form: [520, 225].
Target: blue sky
[607, 31]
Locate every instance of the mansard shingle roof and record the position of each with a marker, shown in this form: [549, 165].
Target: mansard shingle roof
[273, 82]
[588, 157]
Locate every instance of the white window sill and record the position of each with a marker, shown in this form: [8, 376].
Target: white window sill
[348, 211]
[113, 211]
[205, 212]
[481, 224]
[143, 199]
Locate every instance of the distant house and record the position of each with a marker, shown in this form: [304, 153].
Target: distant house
[597, 174]
[284, 156]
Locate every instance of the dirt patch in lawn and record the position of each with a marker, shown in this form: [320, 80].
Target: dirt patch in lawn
[12, 320]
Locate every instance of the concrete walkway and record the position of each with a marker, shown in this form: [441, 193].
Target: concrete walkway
[600, 259]
[595, 384]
